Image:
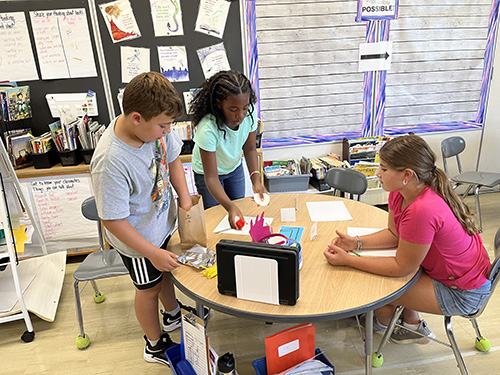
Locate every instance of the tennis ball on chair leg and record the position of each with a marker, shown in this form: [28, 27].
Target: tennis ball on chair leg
[377, 359]
[483, 345]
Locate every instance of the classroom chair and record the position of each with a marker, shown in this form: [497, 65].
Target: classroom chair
[482, 344]
[347, 181]
[97, 265]
[453, 146]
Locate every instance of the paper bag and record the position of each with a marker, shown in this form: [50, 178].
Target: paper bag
[290, 347]
[191, 226]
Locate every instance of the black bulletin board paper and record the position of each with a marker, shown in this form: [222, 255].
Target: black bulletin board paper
[191, 39]
[38, 89]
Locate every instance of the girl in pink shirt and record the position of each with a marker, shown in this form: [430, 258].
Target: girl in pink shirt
[432, 228]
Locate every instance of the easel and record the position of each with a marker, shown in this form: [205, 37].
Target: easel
[7, 175]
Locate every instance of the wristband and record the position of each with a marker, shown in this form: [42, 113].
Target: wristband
[254, 172]
[360, 244]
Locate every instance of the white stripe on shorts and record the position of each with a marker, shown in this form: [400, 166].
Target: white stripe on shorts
[140, 270]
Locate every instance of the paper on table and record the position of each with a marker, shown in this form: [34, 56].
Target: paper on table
[351, 231]
[224, 226]
[256, 279]
[328, 211]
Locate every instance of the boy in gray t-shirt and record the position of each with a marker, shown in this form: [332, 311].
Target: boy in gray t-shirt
[132, 167]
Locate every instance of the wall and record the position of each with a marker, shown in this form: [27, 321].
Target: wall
[489, 157]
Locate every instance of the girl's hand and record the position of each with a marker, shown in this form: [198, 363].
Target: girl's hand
[234, 214]
[336, 256]
[344, 241]
[258, 188]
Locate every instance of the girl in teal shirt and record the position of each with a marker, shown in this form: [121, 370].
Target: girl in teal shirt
[223, 113]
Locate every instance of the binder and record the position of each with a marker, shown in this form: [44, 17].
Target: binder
[290, 347]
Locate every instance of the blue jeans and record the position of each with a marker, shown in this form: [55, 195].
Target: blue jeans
[233, 184]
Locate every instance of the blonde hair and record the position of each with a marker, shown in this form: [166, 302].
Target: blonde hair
[151, 94]
[411, 151]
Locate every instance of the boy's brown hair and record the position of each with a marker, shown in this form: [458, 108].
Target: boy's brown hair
[151, 94]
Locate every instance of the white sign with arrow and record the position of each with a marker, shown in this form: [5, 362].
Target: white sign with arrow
[375, 56]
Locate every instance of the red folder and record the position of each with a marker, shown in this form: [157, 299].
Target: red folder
[290, 347]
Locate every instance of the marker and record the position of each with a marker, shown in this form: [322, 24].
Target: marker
[296, 203]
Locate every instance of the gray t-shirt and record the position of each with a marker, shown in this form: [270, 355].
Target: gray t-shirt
[133, 183]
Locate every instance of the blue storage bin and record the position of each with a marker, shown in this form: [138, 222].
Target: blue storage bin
[261, 368]
[174, 356]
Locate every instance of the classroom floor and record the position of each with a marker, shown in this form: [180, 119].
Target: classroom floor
[117, 343]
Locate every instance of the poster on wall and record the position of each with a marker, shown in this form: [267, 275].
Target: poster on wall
[17, 62]
[213, 59]
[134, 61]
[173, 63]
[63, 44]
[120, 20]
[212, 17]
[56, 200]
[167, 17]
[370, 10]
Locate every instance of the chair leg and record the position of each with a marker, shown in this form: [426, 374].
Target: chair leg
[456, 351]
[377, 358]
[476, 328]
[79, 308]
[476, 193]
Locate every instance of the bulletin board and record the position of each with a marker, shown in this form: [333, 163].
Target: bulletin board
[39, 88]
[192, 40]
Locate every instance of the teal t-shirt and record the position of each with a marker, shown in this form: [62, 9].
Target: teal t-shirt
[227, 149]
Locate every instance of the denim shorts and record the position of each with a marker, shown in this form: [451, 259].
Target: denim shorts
[458, 301]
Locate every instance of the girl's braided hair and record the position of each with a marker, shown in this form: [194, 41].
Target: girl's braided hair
[219, 87]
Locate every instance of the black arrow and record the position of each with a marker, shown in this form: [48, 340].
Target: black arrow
[377, 56]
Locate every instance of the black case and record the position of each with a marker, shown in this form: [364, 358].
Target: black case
[286, 256]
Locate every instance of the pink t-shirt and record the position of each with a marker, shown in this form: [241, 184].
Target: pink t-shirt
[455, 258]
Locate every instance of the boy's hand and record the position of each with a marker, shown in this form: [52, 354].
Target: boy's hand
[165, 261]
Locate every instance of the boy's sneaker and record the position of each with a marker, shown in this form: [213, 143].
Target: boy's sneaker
[172, 322]
[422, 335]
[157, 353]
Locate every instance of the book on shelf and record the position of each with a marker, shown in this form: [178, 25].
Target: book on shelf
[19, 146]
[18, 103]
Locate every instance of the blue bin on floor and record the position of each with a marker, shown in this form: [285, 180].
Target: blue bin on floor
[174, 356]
[261, 368]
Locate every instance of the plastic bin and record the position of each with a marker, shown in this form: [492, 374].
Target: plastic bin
[87, 154]
[319, 184]
[282, 184]
[73, 157]
[261, 368]
[174, 356]
[46, 160]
